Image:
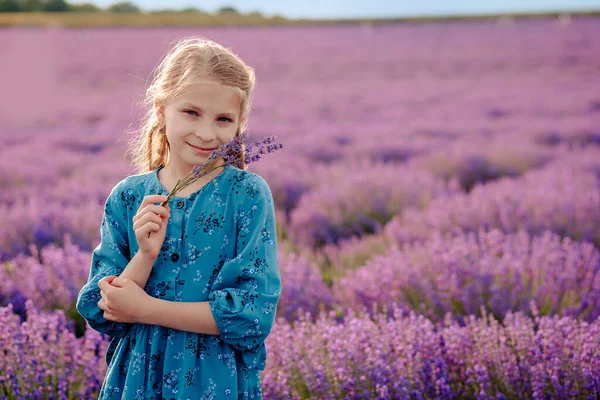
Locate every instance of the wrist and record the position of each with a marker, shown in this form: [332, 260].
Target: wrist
[145, 258]
[149, 311]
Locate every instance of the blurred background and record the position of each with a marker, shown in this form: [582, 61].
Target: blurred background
[440, 157]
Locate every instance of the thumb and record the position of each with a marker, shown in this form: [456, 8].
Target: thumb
[105, 282]
[118, 281]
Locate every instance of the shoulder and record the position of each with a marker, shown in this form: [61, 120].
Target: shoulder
[127, 191]
[250, 186]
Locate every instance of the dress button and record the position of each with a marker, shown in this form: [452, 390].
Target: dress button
[180, 204]
[174, 257]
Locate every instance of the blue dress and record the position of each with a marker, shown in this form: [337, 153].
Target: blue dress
[220, 247]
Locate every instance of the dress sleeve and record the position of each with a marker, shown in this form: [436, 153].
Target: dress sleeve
[244, 296]
[110, 258]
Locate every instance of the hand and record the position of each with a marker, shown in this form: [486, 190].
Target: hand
[150, 225]
[123, 300]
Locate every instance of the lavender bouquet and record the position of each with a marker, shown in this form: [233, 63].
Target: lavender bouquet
[231, 152]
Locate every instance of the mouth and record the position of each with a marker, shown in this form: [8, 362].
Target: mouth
[201, 148]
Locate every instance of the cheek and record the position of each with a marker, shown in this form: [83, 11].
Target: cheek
[231, 132]
[176, 124]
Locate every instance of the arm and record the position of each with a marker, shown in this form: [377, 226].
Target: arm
[138, 269]
[109, 258]
[245, 293]
[147, 216]
[185, 316]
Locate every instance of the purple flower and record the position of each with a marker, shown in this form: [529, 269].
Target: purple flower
[230, 153]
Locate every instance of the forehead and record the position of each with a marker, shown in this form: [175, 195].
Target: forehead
[211, 96]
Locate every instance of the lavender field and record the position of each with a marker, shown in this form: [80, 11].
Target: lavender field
[438, 203]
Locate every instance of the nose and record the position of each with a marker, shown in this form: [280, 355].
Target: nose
[205, 132]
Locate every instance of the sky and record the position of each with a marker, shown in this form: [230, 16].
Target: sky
[366, 8]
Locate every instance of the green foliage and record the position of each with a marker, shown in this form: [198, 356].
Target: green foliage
[124, 7]
[192, 10]
[255, 14]
[31, 5]
[188, 10]
[278, 18]
[10, 6]
[55, 6]
[85, 7]
[227, 9]
[79, 324]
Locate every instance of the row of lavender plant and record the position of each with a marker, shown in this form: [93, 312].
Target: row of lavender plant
[564, 197]
[357, 357]
[43, 359]
[409, 357]
[352, 252]
[51, 276]
[492, 270]
[329, 205]
[362, 202]
[37, 222]
[480, 160]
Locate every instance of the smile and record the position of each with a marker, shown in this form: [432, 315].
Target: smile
[201, 149]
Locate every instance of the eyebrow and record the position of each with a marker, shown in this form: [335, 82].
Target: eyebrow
[196, 108]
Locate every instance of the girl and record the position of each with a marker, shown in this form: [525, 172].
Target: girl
[187, 292]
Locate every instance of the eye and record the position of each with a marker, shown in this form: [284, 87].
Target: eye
[190, 112]
[224, 119]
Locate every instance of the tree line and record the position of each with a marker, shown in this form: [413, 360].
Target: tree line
[64, 6]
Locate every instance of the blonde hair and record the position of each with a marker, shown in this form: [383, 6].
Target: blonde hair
[188, 60]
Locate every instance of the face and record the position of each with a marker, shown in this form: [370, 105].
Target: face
[204, 116]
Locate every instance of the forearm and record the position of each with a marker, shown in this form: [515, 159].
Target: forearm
[185, 316]
[138, 270]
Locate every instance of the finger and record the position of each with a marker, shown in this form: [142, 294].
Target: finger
[153, 199]
[151, 208]
[103, 283]
[103, 306]
[104, 301]
[109, 316]
[156, 209]
[156, 198]
[165, 220]
[149, 217]
[102, 280]
[148, 228]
